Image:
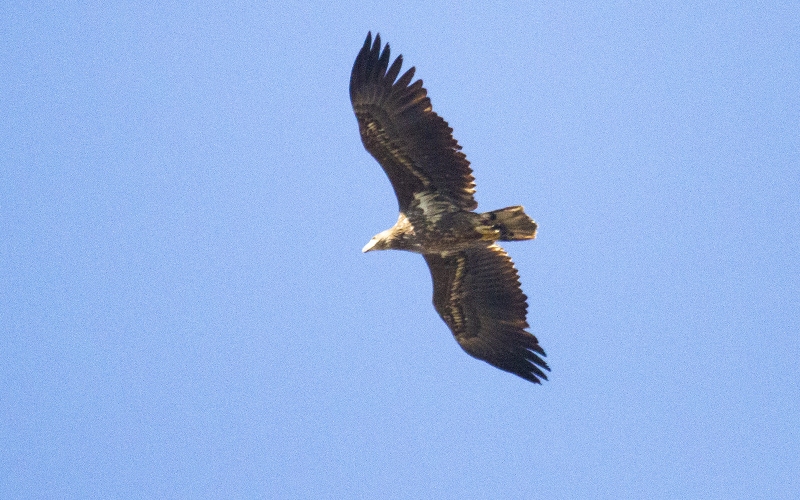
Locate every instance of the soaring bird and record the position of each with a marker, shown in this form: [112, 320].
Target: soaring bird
[476, 288]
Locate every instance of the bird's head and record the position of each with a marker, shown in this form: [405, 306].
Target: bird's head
[381, 241]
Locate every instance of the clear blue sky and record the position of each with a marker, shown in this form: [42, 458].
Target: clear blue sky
[185, 311]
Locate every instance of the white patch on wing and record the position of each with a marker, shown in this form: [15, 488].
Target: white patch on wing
[433, 205]
[373, 128]
[456, 294]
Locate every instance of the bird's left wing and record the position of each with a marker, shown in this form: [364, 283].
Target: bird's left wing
[414, 145]
[477, 293]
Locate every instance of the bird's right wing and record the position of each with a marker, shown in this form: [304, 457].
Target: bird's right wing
[477, 293]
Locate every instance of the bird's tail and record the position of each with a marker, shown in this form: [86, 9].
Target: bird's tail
[507, 224]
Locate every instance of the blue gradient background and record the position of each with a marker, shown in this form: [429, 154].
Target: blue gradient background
[185, 311]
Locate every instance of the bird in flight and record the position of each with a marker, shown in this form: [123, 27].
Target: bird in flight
[476, 288]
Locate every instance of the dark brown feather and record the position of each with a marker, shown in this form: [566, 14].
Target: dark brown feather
[477, 293]
[414, 145]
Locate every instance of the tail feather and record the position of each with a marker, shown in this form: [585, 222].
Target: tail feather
[507, 224]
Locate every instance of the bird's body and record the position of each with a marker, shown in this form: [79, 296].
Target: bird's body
[476, 288]
[432, 224]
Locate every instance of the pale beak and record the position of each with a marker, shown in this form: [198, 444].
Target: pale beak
[369, 246]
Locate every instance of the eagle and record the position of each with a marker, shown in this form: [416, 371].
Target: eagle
[476, 288]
